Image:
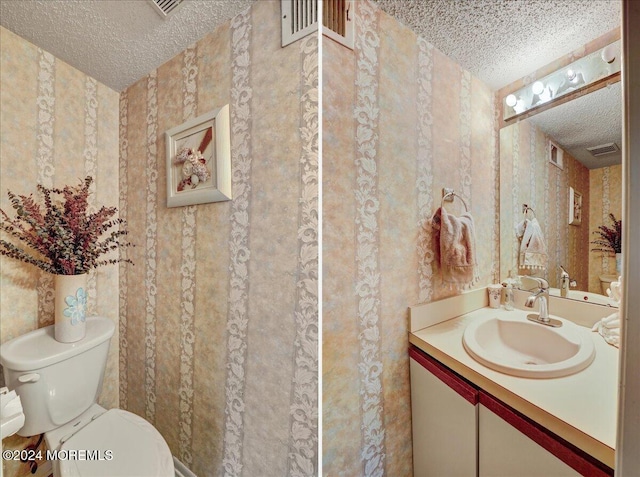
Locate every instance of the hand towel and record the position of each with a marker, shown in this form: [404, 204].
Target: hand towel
[615, 290]
[609, 329]
[533, 251]
[456, 243]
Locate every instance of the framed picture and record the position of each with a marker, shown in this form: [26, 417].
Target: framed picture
[199, 160]
[555, 154]
[575, 207]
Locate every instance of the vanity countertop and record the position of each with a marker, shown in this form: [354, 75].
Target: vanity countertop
[581, 408]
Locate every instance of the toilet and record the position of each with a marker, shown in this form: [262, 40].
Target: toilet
[59, 384]
[605, 282]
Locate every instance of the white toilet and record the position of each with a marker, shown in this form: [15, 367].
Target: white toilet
[605, 282]
[59, 385]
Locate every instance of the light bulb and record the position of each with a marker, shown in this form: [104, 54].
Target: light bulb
[608, 54]
[537, 87]
[511, 100]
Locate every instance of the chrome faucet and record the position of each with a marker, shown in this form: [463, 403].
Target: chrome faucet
[565, 282]
[542, 295]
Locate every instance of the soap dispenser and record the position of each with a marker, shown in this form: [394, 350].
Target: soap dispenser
[508, 293]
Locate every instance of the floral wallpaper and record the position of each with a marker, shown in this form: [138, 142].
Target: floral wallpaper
[605, 186]
[400, 122]
[527, 177]
[58, 126]
[219, 315]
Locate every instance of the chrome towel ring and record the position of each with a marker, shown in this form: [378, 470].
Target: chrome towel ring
[526, 208]
[448, 195]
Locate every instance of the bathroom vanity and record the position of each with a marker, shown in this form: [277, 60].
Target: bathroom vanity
[469, 419]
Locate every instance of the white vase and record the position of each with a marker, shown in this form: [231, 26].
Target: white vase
[70, 307]
[619, 263]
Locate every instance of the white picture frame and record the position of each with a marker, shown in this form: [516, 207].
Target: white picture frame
[199, 176]
[575, 207]
[556, 155]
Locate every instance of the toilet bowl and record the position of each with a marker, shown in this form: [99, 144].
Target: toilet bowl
[59, 385]
[605, 282]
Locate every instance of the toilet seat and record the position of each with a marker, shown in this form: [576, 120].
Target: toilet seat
[117, 443]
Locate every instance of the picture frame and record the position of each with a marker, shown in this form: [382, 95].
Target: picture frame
[199, 160]
[575, 207]
[556, 155]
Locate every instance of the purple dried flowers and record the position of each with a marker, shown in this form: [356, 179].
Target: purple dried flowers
[609, 239]
[64, 238]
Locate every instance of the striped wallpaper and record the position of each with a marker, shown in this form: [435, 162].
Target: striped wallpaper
[401, 121]
[219, 319]
[58, 125]
[526, 176]
[217, 336]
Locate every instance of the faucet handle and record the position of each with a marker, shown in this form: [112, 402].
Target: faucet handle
[542, 283]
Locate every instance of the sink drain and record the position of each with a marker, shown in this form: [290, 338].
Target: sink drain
[530, 362]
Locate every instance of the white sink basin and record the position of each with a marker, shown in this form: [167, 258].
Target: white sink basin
[513, 345]
[586, 297]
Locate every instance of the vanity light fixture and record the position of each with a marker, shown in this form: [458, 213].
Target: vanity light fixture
[594, 68]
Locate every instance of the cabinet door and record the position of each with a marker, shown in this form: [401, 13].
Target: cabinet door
[505, 451]
[444, 423]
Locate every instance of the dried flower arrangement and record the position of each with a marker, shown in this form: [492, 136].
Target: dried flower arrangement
[64, 239]
[610, 239]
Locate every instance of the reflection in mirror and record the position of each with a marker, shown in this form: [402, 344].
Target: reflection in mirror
[528, 175]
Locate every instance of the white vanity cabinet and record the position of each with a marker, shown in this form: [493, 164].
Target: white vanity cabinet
[461, 430]
[444, 420]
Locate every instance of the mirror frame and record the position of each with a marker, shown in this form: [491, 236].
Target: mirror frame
[628, 437]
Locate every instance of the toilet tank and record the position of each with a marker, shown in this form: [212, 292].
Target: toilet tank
[56, 381]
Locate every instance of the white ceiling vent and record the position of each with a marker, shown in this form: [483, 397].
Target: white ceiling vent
[299, 19]
[338, 21]
[603, 149]
[164, 8]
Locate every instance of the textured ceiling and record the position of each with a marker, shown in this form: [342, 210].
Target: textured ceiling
[115, 41]
[501, 41]
[588, 121]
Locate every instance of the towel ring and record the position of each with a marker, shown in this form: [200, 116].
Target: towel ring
[450, 193]
[526, 208]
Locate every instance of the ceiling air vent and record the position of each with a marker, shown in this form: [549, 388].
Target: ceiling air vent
[603, 149]
[299, 19]
[338, 21]
[165, 7]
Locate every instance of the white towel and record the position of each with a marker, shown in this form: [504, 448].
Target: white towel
[609, 329]
[615, 292]
[533, 251]
[456, 244]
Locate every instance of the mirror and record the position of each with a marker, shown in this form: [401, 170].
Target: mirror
[544, 163]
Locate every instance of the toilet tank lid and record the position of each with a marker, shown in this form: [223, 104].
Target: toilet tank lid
[38, 349]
